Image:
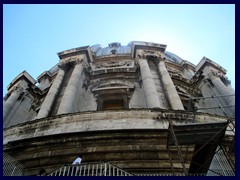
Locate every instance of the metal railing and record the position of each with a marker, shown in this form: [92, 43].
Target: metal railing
[104, 169]
[11, 167]
[220, 165]
[175, 174]
[90, 169]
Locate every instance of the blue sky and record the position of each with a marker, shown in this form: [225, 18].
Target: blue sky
[34, 34]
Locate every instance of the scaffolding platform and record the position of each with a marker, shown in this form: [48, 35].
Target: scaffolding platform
[197, 133]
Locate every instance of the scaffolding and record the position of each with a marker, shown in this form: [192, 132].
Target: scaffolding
[218, 136]
[11, 167]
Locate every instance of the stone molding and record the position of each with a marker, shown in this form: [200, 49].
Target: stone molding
[22, 76]
[102, 120]
[205, 62]
[113, 64]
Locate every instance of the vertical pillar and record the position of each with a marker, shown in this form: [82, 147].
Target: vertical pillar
[9, 103]
[149, 87]
[51, 95]
[231, 89]
[67, 102]
[224, 90]
[188, 72]
[169, 87]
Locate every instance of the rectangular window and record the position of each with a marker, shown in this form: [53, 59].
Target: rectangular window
[113, 104]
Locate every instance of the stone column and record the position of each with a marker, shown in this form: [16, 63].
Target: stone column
[188, 72]
[9, 103]
[223, 90]
[149, 88]
[69, 95]
[169, 87]
[51, 95]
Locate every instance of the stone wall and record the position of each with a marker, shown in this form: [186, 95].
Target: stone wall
[134, 140]
[117, 104]
[156, 82]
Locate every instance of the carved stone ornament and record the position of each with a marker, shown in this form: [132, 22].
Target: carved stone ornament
[113, 64]
[141, 53]
[72, 59]
[222, 77]
[172, 71]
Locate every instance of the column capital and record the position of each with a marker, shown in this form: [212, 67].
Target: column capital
[17, 88]
[157, 60]
[70, 62]
[221, 76]
[63, 66]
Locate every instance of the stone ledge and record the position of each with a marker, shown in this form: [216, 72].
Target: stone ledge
[101, 121]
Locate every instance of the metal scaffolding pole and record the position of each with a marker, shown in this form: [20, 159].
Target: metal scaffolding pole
[230, 124]
[176, 144]
[170, 158]
[210, 140]
[215, 107]
[205, 97]
[219, 104]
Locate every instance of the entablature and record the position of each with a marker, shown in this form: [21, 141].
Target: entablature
[22, 76]
[207, 62]
[147, 47]
[186, 64]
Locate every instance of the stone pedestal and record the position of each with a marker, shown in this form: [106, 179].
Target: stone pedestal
[169, 87]
[67, 102]
[149, 87]
[52, 93]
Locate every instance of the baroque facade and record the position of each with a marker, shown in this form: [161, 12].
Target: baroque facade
[140, 107]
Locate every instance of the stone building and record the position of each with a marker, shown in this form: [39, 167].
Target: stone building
[139, 107]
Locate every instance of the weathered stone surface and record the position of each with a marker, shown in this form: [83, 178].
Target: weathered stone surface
[66, 105]
[51, 96]
[149, 87]
[116, 104]
[97, 121]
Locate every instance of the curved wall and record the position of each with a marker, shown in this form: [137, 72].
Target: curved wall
[114, 103]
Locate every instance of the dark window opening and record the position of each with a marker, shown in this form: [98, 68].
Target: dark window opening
[188, 106]
[113, 104]
[113, 51]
